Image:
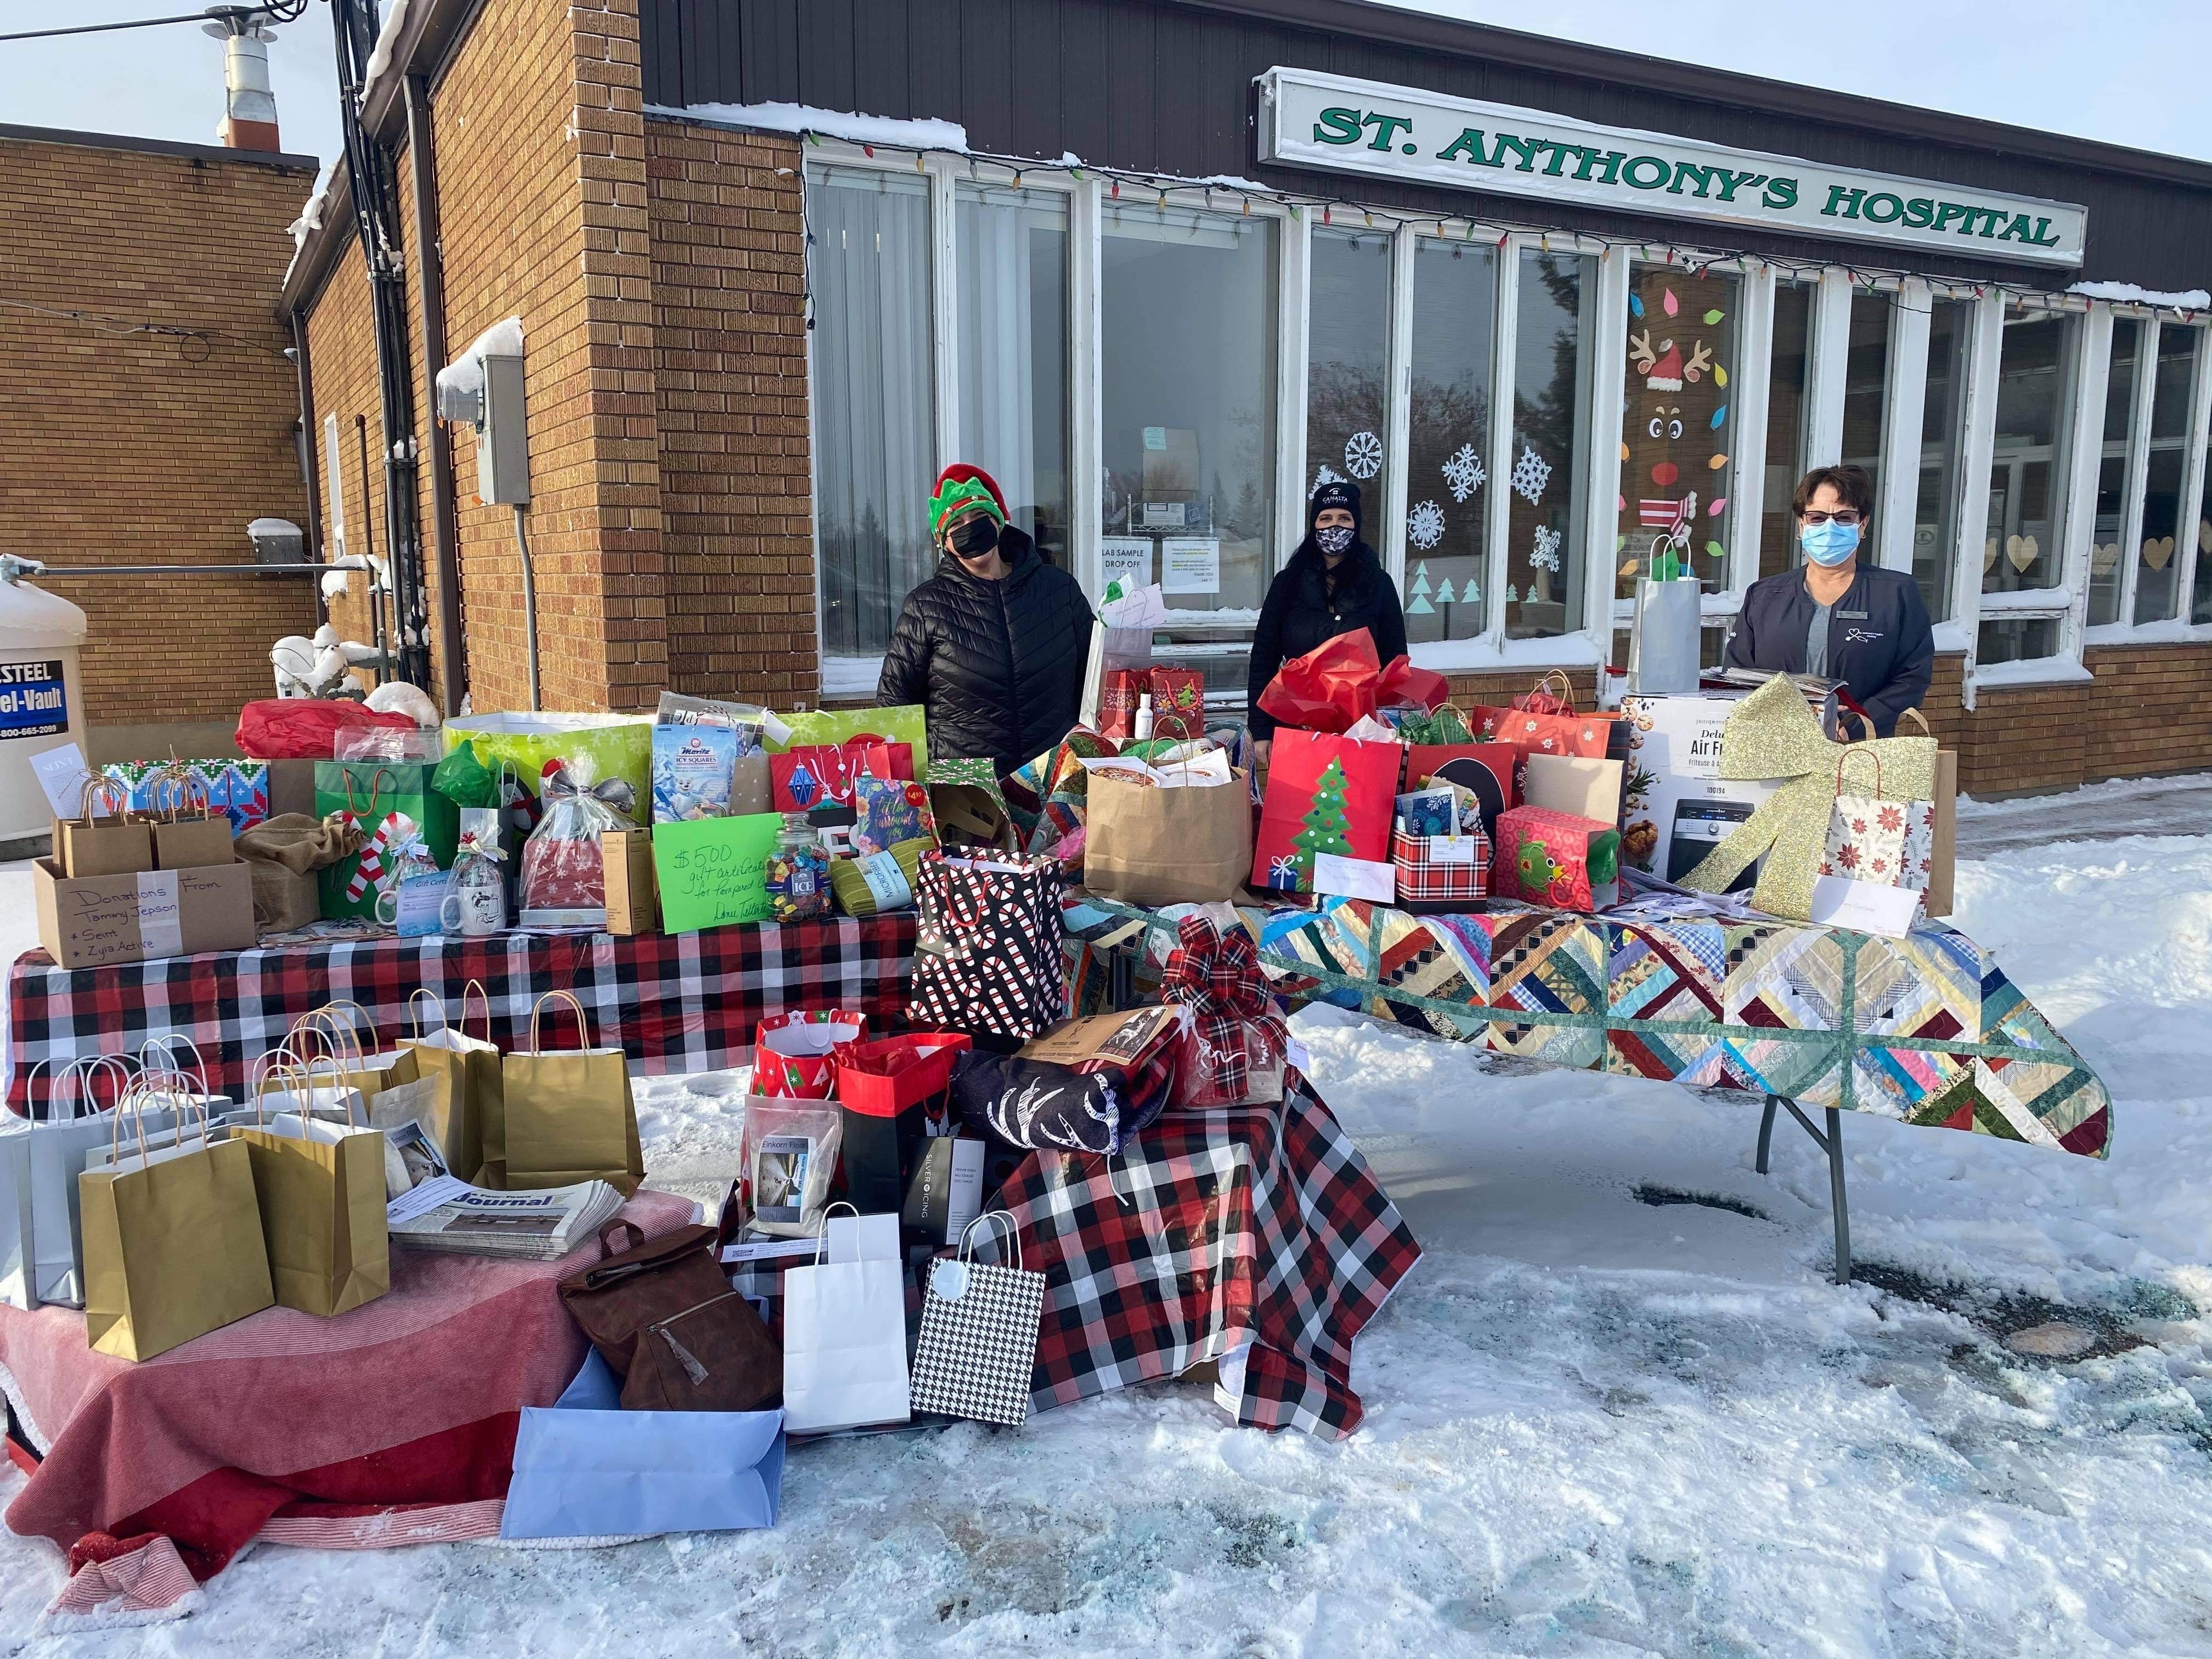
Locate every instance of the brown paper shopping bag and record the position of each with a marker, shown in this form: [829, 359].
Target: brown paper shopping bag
[319, 1186]
[188, 835]
[568, 1116]
[173, 1242]
[95, 845]
[1152, 846]
[469, 1118]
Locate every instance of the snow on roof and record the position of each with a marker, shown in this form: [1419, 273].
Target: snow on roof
[2127, 293]
[387, 37]
[850, 126]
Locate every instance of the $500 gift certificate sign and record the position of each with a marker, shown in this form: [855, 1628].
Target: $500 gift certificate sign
[714, 871]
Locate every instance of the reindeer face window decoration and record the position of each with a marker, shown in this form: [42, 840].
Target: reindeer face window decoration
[1674, 432]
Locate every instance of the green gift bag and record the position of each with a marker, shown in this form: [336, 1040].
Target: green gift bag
[368, 791]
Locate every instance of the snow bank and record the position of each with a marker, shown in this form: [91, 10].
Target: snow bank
[2188, 298]
[853, 127]
[464, 375]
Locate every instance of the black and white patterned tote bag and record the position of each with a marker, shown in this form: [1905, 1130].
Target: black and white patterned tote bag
[979, 1333]
[987, 954]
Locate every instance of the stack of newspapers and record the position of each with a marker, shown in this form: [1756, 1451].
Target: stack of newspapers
[446, 1213]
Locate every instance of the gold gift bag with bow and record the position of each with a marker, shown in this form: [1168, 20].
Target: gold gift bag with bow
[567, 1114]
[321, 1188]
[1773, 733]
[172, 1241]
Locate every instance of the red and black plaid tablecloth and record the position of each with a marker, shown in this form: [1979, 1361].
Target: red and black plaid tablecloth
[683, 1004]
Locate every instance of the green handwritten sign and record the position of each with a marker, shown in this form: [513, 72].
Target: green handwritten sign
[713, 871]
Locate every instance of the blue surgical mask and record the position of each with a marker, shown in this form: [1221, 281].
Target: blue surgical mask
[1829, 544]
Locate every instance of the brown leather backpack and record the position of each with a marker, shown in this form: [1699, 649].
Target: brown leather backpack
[666, 1321]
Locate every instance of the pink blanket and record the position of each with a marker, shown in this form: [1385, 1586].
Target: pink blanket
[307, 1426]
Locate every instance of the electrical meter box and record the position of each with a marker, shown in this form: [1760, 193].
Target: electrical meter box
[503, 439]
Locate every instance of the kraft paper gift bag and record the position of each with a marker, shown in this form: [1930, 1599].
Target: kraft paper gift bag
[172, 1241]
[321, 1192]
[567, 1115]
[844, 1345]
[1151, 846]
[468, 1115]
[977, 1349]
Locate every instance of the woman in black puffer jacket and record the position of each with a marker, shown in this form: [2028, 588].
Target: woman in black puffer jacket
[994, 645]
[1333, 584]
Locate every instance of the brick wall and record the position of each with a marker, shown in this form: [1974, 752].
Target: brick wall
[730, 387]
[2146, 710]
[136, 448]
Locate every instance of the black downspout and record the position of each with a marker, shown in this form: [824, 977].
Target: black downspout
[430, 292]
[306, 374]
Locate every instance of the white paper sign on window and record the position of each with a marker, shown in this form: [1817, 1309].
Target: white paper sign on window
[1190, 564]
[1127, 560]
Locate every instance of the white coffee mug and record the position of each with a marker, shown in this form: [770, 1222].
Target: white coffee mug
[473, 911]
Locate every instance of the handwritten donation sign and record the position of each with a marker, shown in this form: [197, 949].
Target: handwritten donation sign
[714, 871]
[1333, 121]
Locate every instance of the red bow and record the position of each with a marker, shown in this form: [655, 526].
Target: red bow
[1216, 975]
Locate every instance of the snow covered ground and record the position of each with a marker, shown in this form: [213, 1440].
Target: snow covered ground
[1597, 1424]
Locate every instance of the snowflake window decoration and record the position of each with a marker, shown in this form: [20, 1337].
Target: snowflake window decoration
[1325, 474]
[1425, 526]
[1530, 474]
[1546, 554]
[1464, 472]
[1363, 455]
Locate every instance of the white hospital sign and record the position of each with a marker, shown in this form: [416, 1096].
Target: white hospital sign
[1314, 120]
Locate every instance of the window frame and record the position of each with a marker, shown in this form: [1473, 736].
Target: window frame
[1832, 286]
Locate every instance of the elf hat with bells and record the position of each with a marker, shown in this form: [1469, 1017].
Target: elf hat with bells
[961, 487]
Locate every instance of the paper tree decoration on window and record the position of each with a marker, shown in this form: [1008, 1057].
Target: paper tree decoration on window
[1545, 555]
[1530, 474]
[1513, 594]
[1325, 474]
[1420, 605]
[1363, 455]
[1425, 526]
[1444, 594]
[1464, 472]
[1326, 828]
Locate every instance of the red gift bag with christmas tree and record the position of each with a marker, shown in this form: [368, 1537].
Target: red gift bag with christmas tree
[1326, 794]
[1178, 703]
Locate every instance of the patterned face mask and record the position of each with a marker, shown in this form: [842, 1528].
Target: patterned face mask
[1334, 540]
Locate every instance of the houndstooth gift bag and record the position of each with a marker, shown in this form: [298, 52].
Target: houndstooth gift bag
[979, 1333]
[987, 946]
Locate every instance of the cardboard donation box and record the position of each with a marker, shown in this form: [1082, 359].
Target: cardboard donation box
[1676, 805]
[633, 894]
[94, 921]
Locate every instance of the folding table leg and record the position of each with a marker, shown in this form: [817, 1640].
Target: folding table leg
[1832, 1147]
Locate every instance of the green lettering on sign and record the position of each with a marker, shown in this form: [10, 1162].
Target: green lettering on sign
[1468, 145]
[1337, 126]
[1385, 127]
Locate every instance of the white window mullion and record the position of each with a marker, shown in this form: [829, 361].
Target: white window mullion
[1293, 320]
[1398, 407]
[1086, 462]
[1609, 398]
[2085, 457]
[1496, 523]
[1977, 452]
[1754, 356]
[945, 312]
[1829, 368]
[2194, 484]
[1899, 510]
[2136, 469]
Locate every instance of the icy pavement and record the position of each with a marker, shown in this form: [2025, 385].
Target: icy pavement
[2180, 806]
[1596, 1425]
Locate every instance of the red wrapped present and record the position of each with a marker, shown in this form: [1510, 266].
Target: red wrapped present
[1558, 860]
[1441, 873]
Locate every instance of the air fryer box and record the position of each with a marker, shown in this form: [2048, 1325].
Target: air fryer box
[1676, 807]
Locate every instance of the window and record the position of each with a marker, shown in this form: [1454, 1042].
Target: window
[1865, 384]
[1347, 358]
[1675, 436]
[1454, 308]
[2016, 639]
[875, 427]
[1012, 259]
[2027, 468]
[1186, 372]
[2200, 604]
[2109, 530]
[1788, 362]
[2159, 550]
[1942, 441]
[1545, 505]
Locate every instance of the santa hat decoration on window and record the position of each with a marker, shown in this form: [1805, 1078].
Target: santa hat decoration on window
[1666, 375]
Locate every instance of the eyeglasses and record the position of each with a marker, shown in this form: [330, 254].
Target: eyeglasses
[1846, 516]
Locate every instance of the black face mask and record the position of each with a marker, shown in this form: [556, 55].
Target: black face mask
[975, 538]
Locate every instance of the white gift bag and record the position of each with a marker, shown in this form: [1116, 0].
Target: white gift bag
[844, 1344]
[1874, 839]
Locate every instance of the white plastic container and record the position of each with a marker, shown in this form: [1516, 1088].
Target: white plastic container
[41, 698]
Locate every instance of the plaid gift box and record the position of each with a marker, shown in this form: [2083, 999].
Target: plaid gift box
[1441, 872]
